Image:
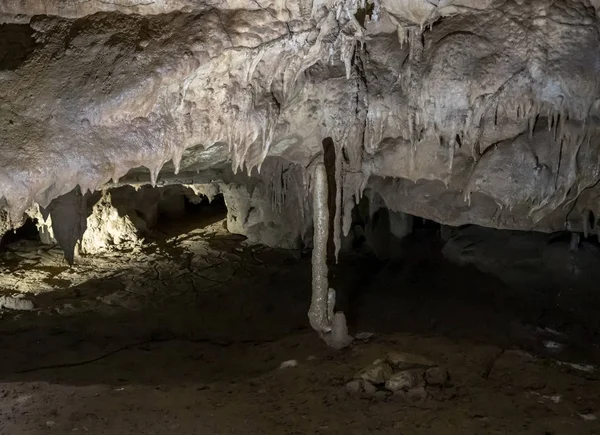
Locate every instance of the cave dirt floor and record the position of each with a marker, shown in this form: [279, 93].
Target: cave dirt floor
[186, 335]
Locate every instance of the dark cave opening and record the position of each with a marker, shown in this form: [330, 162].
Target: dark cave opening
[381, 232]
[184, 211]
[26, 232]
[153, 213]
[167, 211]
[17, 43]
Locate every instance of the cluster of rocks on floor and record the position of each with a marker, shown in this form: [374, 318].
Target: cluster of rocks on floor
[409, 377]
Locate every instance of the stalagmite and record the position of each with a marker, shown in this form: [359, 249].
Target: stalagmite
[339, 337]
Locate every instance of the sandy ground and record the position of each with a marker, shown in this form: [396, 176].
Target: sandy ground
[186, 336]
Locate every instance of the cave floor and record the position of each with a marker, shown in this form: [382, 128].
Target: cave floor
[186, 334]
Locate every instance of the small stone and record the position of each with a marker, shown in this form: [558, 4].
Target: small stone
[50, 423]
[361, 387]
[417, 394]
[436, 376]
[288, 364]
[16, 303]
[354, 386]
[404, 380]
[377, 373]
[405, 361]
[364, 336]
[368, 388]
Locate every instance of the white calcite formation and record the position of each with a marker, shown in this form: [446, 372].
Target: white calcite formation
[459, 111]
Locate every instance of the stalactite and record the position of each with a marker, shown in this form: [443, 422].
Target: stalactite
[339, 186]
[331, 326]
[531, 125]
[451, 150]
[402, 35]
[68, 213]
[317, 313]
[561, 124]
[586, 223]
[154, 172]
[177, 155]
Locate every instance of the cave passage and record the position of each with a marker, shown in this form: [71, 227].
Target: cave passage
[299, 217]
[27, 232]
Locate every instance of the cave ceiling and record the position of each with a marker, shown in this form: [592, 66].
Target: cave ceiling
[460, 111]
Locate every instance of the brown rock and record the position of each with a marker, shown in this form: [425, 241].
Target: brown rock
[405, 380]
[354, 386]
[361, 387]
[436, 376]
[368, 388]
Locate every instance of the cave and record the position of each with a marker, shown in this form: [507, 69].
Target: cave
[299, 217]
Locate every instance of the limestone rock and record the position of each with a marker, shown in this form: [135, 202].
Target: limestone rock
[107, 229]
[406, 376]
[288, 364]
[405, 380]
[16, 303]
[377, 373]
[361, 387]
